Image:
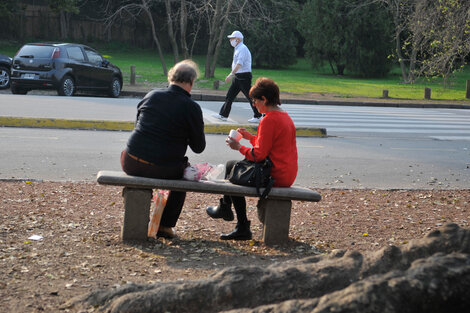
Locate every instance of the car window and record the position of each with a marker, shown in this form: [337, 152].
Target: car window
[94, 57]
[75, 53]
[33, 51]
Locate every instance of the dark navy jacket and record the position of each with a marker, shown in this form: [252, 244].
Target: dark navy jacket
[167, 123]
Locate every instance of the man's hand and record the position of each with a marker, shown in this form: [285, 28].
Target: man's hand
[228, 78]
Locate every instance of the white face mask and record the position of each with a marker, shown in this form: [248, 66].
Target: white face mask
[233, 42]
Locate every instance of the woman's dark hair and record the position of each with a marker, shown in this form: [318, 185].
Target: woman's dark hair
[265, 87]
[185, 71]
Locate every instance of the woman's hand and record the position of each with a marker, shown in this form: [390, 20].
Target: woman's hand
[246, 134]
[232, 143]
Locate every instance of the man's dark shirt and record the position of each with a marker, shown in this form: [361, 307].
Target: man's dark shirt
[167, 122]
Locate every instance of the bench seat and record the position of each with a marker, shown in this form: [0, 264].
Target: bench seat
[273, 212]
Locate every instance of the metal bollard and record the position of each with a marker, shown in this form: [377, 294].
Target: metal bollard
[427, 93]
[132, 75]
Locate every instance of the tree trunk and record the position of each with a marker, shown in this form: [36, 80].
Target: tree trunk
[404, 74]
[332, 67]
[340, 68]
[219, 42]
[154, 35]
[197, 27]
[63, 25]
[433, 270]
[183, 24]
[216, 32]
[171, 32]
[211, 43]
[411, 74]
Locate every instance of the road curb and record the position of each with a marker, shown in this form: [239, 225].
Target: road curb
[34, 122]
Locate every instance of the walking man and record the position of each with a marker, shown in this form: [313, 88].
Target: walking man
[240, 77]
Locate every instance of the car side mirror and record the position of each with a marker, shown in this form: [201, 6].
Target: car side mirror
[105, 63]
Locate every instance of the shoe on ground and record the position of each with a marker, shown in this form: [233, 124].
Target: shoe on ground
[255, 120]
[220, 117]
[166, 232]
[241, 232]
[223, 210]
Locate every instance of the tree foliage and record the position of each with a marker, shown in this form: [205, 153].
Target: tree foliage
[64, 8]
[135, 10]
[270, 37]
[348, 35]
[432, 36]
[441, 33]
[8, 9]
[273, 40]
[323, 25]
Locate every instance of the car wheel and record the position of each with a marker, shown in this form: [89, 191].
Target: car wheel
[67, 87]
[4, 77]
[18, 91]
[115, 88]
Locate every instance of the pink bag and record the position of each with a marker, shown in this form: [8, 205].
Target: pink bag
[161, 196]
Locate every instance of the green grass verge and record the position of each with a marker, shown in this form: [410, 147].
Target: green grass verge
[298, 79]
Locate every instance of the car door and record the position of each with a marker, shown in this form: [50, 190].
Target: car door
[78, 64]
[100, 74]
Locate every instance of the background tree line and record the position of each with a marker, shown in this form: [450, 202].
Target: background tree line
[425, 38]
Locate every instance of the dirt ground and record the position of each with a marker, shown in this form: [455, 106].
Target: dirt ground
[80, 249]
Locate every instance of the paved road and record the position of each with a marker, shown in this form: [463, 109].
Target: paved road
[333, 162]
[443, 124]
[432, 123]
[366, 147]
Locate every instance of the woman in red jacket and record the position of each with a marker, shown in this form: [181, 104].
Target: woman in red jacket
[276, 139]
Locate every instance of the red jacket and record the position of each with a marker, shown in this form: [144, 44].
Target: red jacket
[276, 138]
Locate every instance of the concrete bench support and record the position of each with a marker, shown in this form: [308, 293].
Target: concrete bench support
[273, 212]
[136, 213]
[276, 222]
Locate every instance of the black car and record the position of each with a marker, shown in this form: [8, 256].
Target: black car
[5, 66]
[64, 67]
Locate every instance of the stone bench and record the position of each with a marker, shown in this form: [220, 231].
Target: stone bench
[273, 212]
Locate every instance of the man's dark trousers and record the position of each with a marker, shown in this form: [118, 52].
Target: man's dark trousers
[241, 82]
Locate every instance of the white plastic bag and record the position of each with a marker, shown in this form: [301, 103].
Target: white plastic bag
[216, 173]
[161, 196]
[204, 171]
[197, 171]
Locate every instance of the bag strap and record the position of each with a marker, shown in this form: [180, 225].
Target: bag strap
[267, 189]
[253, 154]
[270, 184]
[258, 176]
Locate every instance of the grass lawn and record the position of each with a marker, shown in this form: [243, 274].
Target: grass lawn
[299, 78]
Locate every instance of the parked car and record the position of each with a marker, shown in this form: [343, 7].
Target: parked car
[5, 67]
[64, 67]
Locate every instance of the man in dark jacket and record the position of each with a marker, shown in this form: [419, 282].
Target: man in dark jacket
[167, 123]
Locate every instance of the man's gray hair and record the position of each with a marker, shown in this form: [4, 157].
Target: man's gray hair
[185, 71]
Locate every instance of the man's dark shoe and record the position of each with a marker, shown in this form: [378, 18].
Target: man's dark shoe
[241, 232]
[223, 210]
[166, 232]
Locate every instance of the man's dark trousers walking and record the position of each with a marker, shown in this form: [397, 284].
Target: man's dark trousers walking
[241, 82]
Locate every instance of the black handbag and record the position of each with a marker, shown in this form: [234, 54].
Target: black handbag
[253, 174]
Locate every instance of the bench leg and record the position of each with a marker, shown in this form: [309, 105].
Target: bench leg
[136, 213]
[275, 216]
